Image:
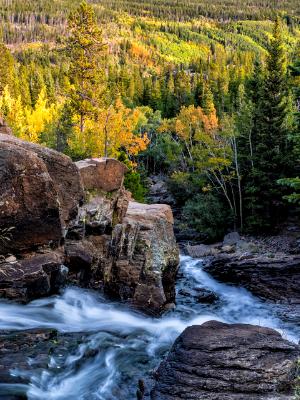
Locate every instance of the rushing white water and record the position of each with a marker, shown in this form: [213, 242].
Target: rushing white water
[120, 346]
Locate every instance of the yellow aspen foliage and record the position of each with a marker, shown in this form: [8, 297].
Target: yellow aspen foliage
[39, 117]
[116, 128]
[28, 123]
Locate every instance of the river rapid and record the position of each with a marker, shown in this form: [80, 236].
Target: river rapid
[124, 346]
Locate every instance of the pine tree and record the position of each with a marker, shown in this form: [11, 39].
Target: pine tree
[85, 49]
[271, 159]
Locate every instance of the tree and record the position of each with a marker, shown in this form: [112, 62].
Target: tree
[116, 130]
[271, 158]
[85, 49]
[7, 69]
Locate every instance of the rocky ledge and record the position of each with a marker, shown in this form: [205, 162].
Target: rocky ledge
[217, 361]
[275, 279]
[66, 222]
[269, 271]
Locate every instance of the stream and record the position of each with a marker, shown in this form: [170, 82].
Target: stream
[123, 345]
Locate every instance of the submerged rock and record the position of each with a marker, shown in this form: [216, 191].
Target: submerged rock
[217, 361]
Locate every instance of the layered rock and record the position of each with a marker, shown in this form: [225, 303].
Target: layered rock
[145, 257]
[217, 361]
[275, 279]
[33, 277]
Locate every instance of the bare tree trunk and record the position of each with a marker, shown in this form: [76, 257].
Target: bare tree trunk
[81, 123]
[237, 169]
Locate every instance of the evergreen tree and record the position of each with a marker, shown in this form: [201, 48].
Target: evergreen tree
[85, 49]
[271, 158]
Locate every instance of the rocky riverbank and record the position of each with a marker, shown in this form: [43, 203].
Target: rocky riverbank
[65, 223]
[71, 222]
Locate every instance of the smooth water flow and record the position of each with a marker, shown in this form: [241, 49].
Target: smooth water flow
[117, 346]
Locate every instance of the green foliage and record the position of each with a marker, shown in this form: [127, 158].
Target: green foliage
[208, 215]
[293, 183]
[206, 81]
[133, 183]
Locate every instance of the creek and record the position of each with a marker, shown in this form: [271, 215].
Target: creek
[119, 346]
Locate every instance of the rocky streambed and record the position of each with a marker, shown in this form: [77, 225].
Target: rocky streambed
[95, 306]
[81, 345]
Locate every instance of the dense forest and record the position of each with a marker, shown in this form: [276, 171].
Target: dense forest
[206, 94]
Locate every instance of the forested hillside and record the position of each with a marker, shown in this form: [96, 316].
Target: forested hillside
[205, 93]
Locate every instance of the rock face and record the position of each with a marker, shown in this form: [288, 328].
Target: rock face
[145, 257]
[33, 277]
[55, 213]
[106, 174]
[217, 361]
[29, 206]
[275, 279]
[62, 171]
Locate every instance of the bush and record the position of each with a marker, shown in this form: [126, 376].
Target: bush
[207, 214]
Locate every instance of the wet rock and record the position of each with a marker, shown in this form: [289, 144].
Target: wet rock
[62, 171]
[217, 361]
[11, 259]
[29, 351]
[105, 174]
[276, 279]
[29, 205]
[206, 296]
[144, 257]
[34, 277]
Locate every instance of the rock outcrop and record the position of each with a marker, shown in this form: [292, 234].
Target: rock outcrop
[54, 212]
[62, 171]
[33, 277]
[105, 174]
[217, 361]
[29, 205]
[144, 257]
[276, 279]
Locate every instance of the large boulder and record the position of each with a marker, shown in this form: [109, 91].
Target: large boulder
[105, 174]
[276, 279]
[217, 361]
[144, 257]
[63, 172]
[41, 191]
[29, 206]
